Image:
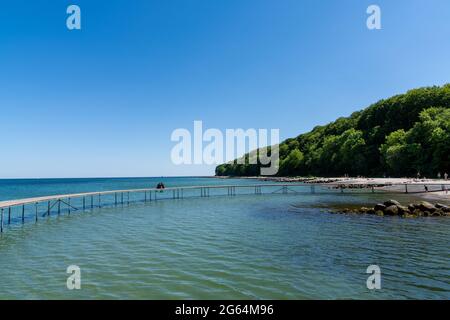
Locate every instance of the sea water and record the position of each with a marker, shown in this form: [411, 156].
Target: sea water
[271, 246]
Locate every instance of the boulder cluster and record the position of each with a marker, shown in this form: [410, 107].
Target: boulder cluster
[394, 208]
[360, 186]
[299, 179]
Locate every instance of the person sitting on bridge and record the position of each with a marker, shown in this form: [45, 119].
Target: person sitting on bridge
[160, 186]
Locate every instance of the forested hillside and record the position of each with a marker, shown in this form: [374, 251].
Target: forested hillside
[398, 136]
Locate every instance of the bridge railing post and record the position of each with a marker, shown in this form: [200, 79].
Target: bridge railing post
[1, 221]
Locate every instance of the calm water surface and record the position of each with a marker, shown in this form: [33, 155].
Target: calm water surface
[244, 247]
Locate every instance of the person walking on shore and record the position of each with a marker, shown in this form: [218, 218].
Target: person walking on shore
[439, 176]
[445, 176]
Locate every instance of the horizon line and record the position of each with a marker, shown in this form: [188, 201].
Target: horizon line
[113, 177]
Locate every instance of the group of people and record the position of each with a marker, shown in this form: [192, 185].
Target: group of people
[438, 176]
[445, 175]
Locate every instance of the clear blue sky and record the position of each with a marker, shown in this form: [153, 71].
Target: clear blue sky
[104, 101]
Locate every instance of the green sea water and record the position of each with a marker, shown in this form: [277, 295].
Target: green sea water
[274, 246]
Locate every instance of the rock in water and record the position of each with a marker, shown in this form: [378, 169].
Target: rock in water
[394, 208]
[403, 210]
[379, 206]
[442, 207]
[392, 203]
[364, 210]
[438, 213]
[391, 210]
[426, 206]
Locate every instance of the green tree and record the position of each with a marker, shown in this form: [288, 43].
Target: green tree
[402, 158]
[292, 163]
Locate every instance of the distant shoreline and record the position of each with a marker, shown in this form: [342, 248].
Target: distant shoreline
[388, 184]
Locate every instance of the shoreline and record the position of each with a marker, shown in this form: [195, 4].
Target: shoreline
[441, 187]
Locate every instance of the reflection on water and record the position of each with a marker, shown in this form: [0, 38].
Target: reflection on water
[265, 247]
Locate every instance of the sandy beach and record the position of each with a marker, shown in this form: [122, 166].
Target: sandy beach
[437, 188]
